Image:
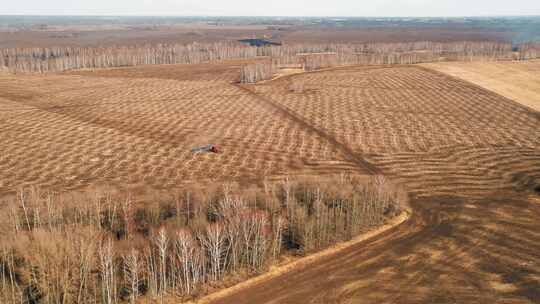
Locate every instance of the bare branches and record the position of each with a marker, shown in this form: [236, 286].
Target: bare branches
[41, 60]
[255, 72]
[310, 56]
[132, 271]
[107, 273]
[74, 253]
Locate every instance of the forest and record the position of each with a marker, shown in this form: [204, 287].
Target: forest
[310, 56]
[102, 246]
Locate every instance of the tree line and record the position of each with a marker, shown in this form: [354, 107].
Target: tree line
[257, 71]
[315, 57]
[312, 56]
[101, 247]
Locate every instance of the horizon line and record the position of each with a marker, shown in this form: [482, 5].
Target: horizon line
[266, 16]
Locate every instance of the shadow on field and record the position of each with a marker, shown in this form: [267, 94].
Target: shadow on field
[453, 250]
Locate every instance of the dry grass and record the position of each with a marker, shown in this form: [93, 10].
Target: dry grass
[517, 80]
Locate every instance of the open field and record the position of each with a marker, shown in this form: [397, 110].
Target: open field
[419, 125]
[67, 131]
[469, 158]
[517, 80]
[117, 126]
[228, 71]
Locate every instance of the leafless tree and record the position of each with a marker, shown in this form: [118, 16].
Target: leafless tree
[254, 72]
[107, 273]
[132, 270]
[53, 245]
[214, 242]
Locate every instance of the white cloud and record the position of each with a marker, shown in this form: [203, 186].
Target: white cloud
[275, 7]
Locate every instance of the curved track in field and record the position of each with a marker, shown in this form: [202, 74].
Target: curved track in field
[474, 236]
[452, 250]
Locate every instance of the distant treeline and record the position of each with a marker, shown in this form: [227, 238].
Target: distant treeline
[314, 57]
[311, 56]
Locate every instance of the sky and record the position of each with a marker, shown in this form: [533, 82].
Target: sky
[410, 8]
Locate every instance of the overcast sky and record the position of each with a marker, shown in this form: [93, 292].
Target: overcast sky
[273, 7]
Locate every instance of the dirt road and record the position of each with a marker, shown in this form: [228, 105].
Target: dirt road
[453, 250]
[474, 236]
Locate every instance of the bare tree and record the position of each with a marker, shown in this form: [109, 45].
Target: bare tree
[132, 270]
[51, 248]
[214, 242]
[107, 272]
[255, 72]
[161, 242]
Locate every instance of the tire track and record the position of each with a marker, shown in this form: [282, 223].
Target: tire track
[349, 154]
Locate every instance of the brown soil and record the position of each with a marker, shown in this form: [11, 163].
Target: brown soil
[69, 131]
[470, 160]
[469, 157]
[517, 80]
[228, 71]
[294, 263]
[444, 254]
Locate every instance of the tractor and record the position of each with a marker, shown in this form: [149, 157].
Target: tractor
[208, 148]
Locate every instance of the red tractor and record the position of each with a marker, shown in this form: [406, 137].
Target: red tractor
[209, 148]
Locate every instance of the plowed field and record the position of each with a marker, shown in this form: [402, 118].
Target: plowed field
[69, 131]
[469, 157]
[435, 132]
[517, 80]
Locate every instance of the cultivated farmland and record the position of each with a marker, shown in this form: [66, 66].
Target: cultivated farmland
[118, 126]
[133, 130]
[519, 81]
[468, 157]
[416, 124]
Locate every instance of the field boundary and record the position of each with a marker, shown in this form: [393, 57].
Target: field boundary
[305, 261]
[535, 113]
[330, 69]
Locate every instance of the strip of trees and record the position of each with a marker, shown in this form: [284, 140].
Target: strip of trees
[527, 51]
[255, 72]
[43, 60]
[103, 248]
[313, 56]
